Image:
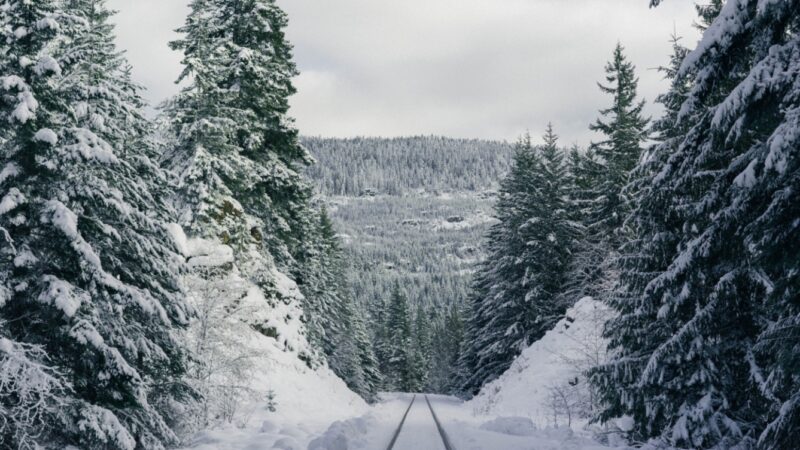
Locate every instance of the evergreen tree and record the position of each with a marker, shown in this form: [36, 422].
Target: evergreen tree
[89, 300]
[335, 325]
[382, 341]
[606, 201]
[368, 362]
[705, 347]
[625, 131]
[517, 290]
[235, 151]
[400, 361]
[346, 360]
[421, 348]
[326, 307]
[448, 333]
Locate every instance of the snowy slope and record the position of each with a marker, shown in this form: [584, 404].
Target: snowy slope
[306, 400]
[550, 366]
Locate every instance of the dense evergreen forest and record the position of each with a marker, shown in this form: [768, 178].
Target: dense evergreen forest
[412, 218]
[400, 166]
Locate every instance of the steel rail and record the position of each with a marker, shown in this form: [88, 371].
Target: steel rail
[442, 433]
[402, 422]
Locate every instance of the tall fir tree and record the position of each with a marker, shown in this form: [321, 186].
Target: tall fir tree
[448, 334]
[236, 153]
[421, 347]
[88, 270]
[370, 370]
[705, 347]
[400, 362]
[609, 163]
[517, 290]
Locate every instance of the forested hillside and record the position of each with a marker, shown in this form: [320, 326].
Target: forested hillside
[396, 166]
[412, 212]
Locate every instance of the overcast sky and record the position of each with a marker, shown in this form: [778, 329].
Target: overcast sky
[460, 68]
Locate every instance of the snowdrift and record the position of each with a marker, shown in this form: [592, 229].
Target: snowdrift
[533, 385]
[307, 401]
[290, 401]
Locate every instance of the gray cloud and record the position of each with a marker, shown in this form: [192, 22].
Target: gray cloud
[463, 68]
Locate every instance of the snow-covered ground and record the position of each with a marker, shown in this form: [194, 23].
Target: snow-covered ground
[465, 429]
[315, 410]
[533, 385]
[304, 400]
[307, 401]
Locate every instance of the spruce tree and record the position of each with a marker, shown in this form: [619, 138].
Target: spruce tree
[400, 361]
[705, 351]
[448, 334]
[421, 347]
[235, 154]
[609, 164]
[625, 131]
[368, 362]
[516, 296]
[382, 341]
[326, 308]
[88, 271]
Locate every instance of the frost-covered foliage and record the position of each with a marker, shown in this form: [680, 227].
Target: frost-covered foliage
[601, 174]
[238, 163]
[89, 296]
[32, 392]
[369, 166]
[233, 149]
[516, 296]
[336, 325]
[706, 344]
[421, 228]
[236, 151]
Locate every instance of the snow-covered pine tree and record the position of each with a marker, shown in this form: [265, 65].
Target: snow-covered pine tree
[235, 150]
[324, 287]
[585, 169]
[625, 131]
[604, 202]
[493, 335]
[260, 74]
[335, 325]
[705, 348]
[90, 298]
[400, 362]
[448, 334]
[557, 232]
[421, 349]
[516, 293]
[345, 360]
[381, 340]
[368, 361]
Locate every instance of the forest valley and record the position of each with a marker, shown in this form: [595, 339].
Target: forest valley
[170, 282]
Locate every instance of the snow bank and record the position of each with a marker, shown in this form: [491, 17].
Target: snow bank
[526, 389]
[304, 400]
[307, 402]
[514, 426]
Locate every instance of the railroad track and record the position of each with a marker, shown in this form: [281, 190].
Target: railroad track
[402, 422]
[441, 431]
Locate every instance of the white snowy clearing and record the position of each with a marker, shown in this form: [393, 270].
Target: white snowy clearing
[315, 411]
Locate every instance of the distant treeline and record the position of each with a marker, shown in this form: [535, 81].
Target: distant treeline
[369, 166]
